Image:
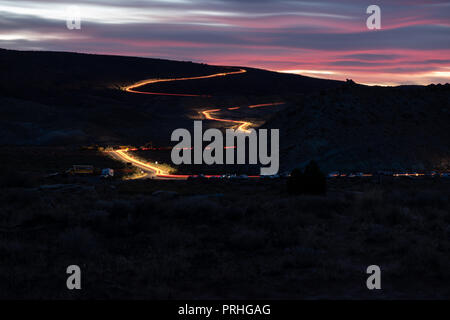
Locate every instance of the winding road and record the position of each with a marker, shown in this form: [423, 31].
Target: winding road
[153, 170]
[243, 125]
[153, 81]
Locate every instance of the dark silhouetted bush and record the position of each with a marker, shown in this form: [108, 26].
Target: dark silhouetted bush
[311, 181]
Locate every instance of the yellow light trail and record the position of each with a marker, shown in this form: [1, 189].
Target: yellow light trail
[243, 125]
[123, 154]
[266, 105]
[152, 81]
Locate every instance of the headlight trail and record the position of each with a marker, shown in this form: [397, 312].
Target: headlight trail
[158, 172]
[123, 154]
[152, 81]
[243, 125]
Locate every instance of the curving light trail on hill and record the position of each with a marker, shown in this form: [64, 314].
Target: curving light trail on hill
[153, 81]
[243, 125]
[154, 169]
[122, 154]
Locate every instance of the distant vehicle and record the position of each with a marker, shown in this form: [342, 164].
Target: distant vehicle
[400, 174]
[107, 173]
[81, 169]
[333, 174]
[243, 176]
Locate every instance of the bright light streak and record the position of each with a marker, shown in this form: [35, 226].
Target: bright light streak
[152, 81]
[243, 125]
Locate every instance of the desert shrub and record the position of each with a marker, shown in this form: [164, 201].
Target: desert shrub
[247, 239]
[15, 179]
[120, 209]
[426, 260]
[190, 208]
[302, 257]
[310, 181]
[79, 241]
[20, 197]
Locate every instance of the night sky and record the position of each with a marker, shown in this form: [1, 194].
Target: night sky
[327, 39]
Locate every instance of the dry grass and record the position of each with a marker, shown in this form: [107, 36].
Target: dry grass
[253, 240]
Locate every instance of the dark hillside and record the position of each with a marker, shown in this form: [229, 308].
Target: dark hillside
[255, 82]
[368, 128]
[57, 98]
[31, 73]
